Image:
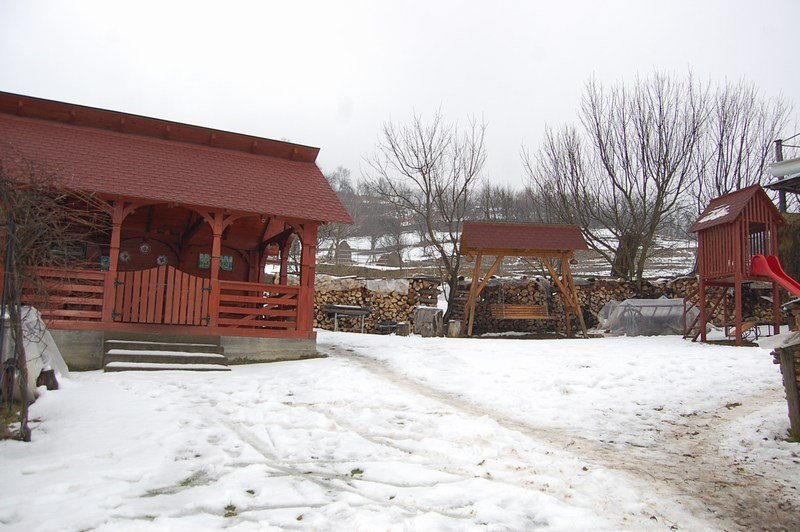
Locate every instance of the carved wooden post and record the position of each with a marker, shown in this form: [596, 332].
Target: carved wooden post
[308, 261]
[109, 286]
[217, 226]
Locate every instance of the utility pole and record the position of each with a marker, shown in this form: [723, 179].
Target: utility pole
[779, 158]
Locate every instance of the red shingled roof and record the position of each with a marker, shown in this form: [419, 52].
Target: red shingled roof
[727, 208]
[142, 167]
[518, 236]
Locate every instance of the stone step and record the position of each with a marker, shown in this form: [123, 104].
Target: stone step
[139, 345]
[154, 366]
[164, 357]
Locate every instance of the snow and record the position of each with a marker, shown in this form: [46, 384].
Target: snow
[156, 352]
[142, 342]
[165, 366]
[410, 433]
[716, 213]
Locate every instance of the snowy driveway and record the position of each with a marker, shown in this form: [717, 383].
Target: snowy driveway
[420, 434]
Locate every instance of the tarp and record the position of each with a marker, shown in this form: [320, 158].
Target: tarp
[40, 349]
[646, 317]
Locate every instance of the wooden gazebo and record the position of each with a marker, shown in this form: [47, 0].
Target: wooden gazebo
[730, 231]
[196, 215]
[545, 242]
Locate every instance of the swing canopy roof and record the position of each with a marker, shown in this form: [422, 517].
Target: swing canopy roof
[520, 239]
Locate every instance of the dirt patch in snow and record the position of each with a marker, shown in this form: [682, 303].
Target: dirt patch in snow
[685, 464]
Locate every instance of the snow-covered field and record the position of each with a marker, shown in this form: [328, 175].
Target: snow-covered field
[421, 434]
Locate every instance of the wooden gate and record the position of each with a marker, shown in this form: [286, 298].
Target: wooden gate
[163, 295]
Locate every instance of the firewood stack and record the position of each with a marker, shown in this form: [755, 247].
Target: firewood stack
[388, 307]
[593, 295]
[789, 360]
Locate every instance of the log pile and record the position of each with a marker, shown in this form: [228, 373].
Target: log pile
[593, 295]
[391, 302]
[789, 360]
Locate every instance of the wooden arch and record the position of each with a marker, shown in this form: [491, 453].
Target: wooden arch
[545, 242]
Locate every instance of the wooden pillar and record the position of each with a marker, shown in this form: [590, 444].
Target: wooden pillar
[738, 251]
[109, 285]
[701, 302]
[308, 262]
[776, 292]
[469, 310]
[255, 263]
[217, 227]
[573, 292]
[283, 277]
[776, 309]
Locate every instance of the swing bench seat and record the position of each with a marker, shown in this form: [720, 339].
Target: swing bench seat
[501, 311]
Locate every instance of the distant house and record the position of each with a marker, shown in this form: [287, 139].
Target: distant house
[195, 215]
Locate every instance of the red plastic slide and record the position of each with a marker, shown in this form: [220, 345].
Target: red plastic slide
[771, 267]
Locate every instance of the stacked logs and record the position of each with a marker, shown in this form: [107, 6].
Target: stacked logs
[388, 307]
[593, 295]
[789, 360]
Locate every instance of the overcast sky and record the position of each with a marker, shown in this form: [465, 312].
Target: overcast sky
[328, 74]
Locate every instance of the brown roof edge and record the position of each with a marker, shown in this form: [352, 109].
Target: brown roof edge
[735, 202]
[93, 117]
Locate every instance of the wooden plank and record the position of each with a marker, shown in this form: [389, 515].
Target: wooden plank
[52, 286]
[158, 314]
[206, 294]
[119, 298]
[88, 275]
[136, 300]
[67, 313]
[169, 287]
[257, 300]
[128, 297]
[184, 295]
[44, 301]
[257, 311]
[152, 291]
[145, 296]
[269, 324]
[258, 287]
[190, 297]
[198, 300]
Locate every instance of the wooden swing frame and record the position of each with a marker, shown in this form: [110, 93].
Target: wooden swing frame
[561, 235]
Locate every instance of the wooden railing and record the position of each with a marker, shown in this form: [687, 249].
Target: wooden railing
[165, 296]
[161, 295]
[68, 296]
[256, 305]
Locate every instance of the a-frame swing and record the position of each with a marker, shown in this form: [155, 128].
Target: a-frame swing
[545, 242]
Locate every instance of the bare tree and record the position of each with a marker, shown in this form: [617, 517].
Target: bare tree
[626, 169]
[738, 142]
[332, 234]
[41, 225]
[430, 170]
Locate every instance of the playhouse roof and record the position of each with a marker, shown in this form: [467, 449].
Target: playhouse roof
[120, 154]
[482, 236]
[727, 208]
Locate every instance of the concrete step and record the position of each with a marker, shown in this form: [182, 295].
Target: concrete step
[164, 357]
[152, 366]
[140, 345]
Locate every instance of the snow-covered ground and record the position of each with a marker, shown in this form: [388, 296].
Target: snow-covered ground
[421, 434]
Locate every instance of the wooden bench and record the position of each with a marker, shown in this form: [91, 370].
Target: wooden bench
[346, 310]
[501, 311]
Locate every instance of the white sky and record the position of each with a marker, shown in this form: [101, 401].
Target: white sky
[328, 74]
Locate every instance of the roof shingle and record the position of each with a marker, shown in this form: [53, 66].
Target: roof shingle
[147, 168]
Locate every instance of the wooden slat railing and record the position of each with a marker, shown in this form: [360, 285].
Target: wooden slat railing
[67, 296]
[257, 306]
